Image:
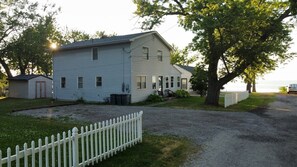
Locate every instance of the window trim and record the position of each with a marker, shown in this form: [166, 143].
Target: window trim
[146, 55]
[80, 85]
[61, 82]
[96, 81]
[141, 86]
[160, 57]
[97, 54]
[178, 81]
[154, 83]
[166, 82]
[172, 81]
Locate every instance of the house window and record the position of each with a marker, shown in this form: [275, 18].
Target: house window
[95, 53]
[171, 81]
[160, 55]
[154, 82]
[145, 51]
[178, 82]
[80, 82]
[141, 82]
[63, 82]
[98, 81]
[184, 83]
[167, 82]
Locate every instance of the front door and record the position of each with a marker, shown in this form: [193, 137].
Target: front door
[40, 89]
[160, 89]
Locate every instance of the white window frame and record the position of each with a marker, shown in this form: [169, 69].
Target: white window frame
[63, 84]
[146, 52]
[178, 81]
[141, 82]
[172, 81]
[154, 82]
[160, 55]
[95, 57]
[167, 82]
[80, 82]
[96, 81]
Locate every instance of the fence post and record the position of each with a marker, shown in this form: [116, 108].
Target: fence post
[75, 159]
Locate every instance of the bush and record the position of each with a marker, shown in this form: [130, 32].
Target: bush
[154, 98]
[282, 89]
[182, 94]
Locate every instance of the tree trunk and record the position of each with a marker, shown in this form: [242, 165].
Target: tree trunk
[254, 85]
[213, 94]
[249, 86]
[6, 68]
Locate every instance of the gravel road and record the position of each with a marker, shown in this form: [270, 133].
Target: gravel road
[261, 138]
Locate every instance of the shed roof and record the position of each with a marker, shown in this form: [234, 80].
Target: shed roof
[110, 41]
[188, 68]
[26, 77]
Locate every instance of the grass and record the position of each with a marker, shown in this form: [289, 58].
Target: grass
[154, 151]
[8, 105]
[197, 103]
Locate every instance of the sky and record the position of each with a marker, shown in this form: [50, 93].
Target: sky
[116, 16]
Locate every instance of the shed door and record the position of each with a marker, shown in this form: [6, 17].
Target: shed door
[40, 89]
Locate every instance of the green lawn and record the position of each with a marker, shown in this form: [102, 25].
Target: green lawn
[16, 130]
[197, 103]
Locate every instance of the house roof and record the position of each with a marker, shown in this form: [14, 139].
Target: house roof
[26, 77]
[110, 41]
[188, 68]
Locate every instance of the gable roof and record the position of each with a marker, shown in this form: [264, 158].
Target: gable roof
[111, 41]
[187, 68]
[26, 77]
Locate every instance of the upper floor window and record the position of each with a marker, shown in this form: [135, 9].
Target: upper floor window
[145, 51]
[160, 55]
[98, 81]
[95, 53]
[80, 82]
[63, 82]
[141, 82]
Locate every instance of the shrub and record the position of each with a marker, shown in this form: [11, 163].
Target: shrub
[182, 94]
[154, 98]
[282, 89]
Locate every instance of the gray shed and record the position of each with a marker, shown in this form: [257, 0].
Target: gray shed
[30, 86]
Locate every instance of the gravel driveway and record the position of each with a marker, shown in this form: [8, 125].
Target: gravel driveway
[260, 138]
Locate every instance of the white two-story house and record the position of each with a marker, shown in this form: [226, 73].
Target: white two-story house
[136, 65]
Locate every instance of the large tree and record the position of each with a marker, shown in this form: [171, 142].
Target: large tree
[30, 52]
[181, 56]
[238, 33]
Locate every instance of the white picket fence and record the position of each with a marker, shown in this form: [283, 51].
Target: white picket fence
[89, 146]
[235, 97]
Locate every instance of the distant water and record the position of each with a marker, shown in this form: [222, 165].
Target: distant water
[261, 85]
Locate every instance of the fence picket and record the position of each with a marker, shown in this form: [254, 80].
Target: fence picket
[83, 145]
[59, 149]
[98, 141]
[8, 157]
[40, 153]
[64, 149]
[53, 150]
[69, 149]
[46, 153]
[103, 140]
